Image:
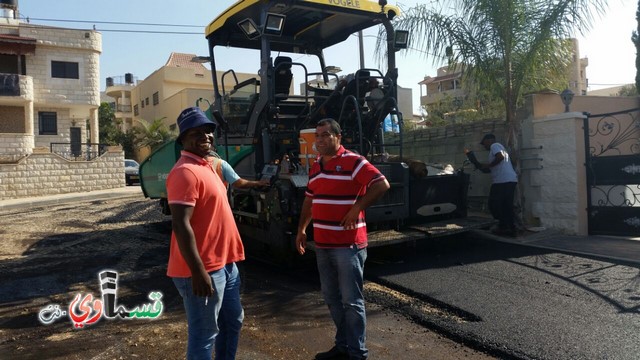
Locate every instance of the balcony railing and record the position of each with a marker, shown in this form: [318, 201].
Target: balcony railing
[123, 108]
[127, 80]
[9, 85]
[78, 151]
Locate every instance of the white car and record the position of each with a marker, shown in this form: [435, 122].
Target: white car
[131, 174]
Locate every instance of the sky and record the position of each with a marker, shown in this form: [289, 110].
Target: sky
[607, 45]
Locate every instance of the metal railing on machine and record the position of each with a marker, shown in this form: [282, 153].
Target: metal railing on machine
[78, 151]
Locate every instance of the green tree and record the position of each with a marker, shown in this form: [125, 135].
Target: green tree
[507, 45]
[110, 133]
[628, 90]
[153, 134]
[108, 130]
[128, 142]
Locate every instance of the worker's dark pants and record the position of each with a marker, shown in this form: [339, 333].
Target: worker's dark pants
[501, 204]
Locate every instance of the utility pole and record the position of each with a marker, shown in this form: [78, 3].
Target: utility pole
[361, 43]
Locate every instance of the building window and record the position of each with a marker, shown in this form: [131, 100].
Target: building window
[9, 64]
[156, 98]
[135, 110]
[146, 101]
[142, 103]
[65, 70]
[48, 123]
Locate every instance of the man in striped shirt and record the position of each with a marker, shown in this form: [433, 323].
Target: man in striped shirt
[341, 185]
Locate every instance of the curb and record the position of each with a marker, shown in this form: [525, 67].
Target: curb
[532, 243]
[32, 202]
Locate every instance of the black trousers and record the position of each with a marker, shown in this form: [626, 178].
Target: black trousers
[501, 204]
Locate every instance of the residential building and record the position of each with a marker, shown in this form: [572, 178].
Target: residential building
[119, 89]
[578, 82]
[50, 86]
[610, 91]
[405, 103]
[178, 84]
[447, 82]
[49, 99]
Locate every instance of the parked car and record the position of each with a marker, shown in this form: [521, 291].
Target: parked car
[131, 174]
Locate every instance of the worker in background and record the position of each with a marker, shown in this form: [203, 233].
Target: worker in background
[503, 186]
[229, 175]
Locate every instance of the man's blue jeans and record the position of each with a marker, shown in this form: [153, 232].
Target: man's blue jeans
[341, 278]
[216, 319]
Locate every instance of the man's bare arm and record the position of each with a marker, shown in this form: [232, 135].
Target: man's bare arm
[200, 280]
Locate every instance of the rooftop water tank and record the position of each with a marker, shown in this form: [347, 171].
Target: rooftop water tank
[9, 4]
[8, 8]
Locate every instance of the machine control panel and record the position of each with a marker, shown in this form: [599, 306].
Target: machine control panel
[270, 172]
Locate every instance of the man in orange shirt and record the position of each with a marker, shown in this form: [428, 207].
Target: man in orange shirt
[205, 244]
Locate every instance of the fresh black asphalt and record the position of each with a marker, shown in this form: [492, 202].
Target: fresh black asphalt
[519, 301]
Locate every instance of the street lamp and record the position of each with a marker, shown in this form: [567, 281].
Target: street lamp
[567, 98]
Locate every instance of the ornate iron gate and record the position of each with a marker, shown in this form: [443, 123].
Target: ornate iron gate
[612, 146]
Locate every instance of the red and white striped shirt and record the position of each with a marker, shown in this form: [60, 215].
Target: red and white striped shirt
[334, 187]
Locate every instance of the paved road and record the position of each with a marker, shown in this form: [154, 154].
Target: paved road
[528, 302]
[515, 300]
[50, 253]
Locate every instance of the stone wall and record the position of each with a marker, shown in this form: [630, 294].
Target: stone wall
[556, 193]
[551, 172]
[43, 173]
[445, 145]
[14, 146]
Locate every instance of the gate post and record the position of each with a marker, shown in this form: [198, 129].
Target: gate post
[556, 193]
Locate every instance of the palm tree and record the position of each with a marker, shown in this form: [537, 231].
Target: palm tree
[507, 46]
[154, 134]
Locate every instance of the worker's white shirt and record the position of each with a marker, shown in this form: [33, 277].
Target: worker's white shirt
[503, 172]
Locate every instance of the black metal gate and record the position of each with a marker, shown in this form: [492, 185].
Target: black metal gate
[612, 147]
[76, 141]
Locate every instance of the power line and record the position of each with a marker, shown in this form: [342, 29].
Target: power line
[152, 32]
[36, 26]
[113, 22]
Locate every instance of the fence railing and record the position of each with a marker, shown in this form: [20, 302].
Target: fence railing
[9, 85]
[123, 108]
[78, 151]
